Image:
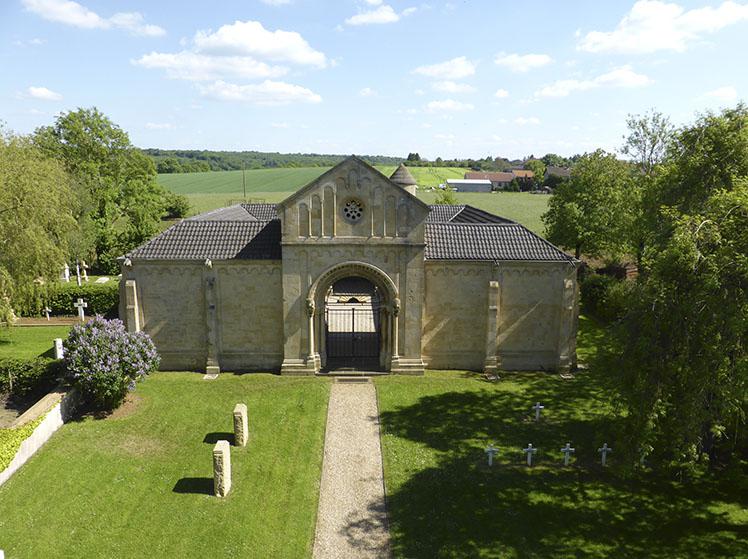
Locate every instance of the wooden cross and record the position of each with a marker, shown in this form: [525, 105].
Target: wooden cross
[537, 407]
[604, 452]
[567, 450]
[80, 305]
[529, 451]
[491, 451]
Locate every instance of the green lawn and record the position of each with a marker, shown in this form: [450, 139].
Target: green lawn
[25, 342]
[444, 501]
[207, 191]
[139, 485]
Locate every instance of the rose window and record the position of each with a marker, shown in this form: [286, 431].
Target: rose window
[353, 210]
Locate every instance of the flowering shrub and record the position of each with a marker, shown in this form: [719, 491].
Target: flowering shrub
[104, 360]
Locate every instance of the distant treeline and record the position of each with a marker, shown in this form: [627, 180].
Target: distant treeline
[489, 163]
[191, 161]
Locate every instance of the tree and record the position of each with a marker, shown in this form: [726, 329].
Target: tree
[591, 212]
[37, 204]
[650, 135]
[538, 169]
[446, 196]
[414, 157]
[123, 201]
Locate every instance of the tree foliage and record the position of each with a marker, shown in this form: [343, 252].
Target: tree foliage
[123, 202]
[590, 213]
[37, 203]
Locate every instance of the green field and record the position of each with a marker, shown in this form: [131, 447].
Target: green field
[207, 191]
[26, 342]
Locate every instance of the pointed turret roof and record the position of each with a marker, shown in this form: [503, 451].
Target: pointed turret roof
[402, 176]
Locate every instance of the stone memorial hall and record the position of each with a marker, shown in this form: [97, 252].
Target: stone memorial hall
[352, 272]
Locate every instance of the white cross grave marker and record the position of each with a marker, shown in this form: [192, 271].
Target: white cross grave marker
[529, 451]
[80, 305]
[491, 451]
[59, 349]
[537, 407]
[567, 450]
[46, 311]
[78, 272]
[66, 273]
[604, 452]
[84, 268]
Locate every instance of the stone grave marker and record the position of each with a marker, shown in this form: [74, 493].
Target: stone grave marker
[537, 407]
[604, 453]
[492, 451]
[529, 451]
[80, 305]
[241, 425]
[567, 450]
[46, 311]
[221, 468]
[84, 269]
[59, 349]
[102, 279]
[66, 273]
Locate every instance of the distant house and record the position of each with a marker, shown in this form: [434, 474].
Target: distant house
[499, 180]
[524, 177]
[557, 172]
[470, 185]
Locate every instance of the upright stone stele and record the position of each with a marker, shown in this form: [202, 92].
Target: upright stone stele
[221, 468]
[241, 425]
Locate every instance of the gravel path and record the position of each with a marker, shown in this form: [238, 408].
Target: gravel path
[352, 515]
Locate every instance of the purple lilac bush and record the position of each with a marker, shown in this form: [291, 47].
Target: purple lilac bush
[104, 360]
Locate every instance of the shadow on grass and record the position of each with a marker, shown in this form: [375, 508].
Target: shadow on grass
[213, 438]
[196, 485]
[461, 508]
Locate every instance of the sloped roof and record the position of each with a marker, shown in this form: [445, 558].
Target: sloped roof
[523, 173]
[402, 176]
[498, 176]
[253, 232]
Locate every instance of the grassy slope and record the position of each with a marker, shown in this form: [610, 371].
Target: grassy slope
[138, 486]
[445, 502]
[207, 191]
[24, 342]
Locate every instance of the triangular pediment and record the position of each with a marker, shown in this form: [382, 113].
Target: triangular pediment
[353, 199]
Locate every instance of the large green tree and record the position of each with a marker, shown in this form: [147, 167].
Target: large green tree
[123, 201]
[590, 213]
[37, 204]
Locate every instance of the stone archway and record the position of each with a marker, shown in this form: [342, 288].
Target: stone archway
[389, 309]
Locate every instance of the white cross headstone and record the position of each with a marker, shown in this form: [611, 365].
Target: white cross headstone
[491, 451]
[84, 267]
[529, 451]
[80, 305]
[78, 272]
[46, 311]
[59, 349]
[567, 450]
[66, 273]
[604, 453]
[537, 407]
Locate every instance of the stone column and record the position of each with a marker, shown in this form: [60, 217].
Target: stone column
[313, 359]
[567, 346]
[212, 366]
[221, 468]
[491, 364]
[394, 317]
[241, 425]
[132, 312]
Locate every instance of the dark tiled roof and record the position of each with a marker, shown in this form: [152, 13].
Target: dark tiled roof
[195, 239]
[443, 212]
[461, 213]
[263, 212]
[488, 241]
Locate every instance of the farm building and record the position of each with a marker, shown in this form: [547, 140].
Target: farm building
[352, 272]
[499, 180]
[470, 185]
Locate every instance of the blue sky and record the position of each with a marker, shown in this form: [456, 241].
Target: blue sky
[455, 79]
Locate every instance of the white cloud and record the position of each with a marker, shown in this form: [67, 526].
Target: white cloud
[419, 92]
[378, 13]
[250, 38]
[523, 121]
[448, 105]
[280, 125]
[43, 94]
[266, 93]
[77, 15]
[453, 87]
[619, 77]
[454, 69]
[501, 94]
[159, 126]
[727, 94]
[35, 42]
[522, 62]
[652, 25]
[186, 65]
[367, 92]
[276, 2]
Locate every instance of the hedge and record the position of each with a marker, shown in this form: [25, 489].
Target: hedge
[11, 439]
[604, 296]
[27, 378]
[102, 298]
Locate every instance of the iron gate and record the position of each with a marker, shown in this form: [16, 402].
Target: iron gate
[352, 332]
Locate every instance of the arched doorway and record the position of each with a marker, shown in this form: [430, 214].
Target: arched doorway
[353, 322]
[371, 298]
